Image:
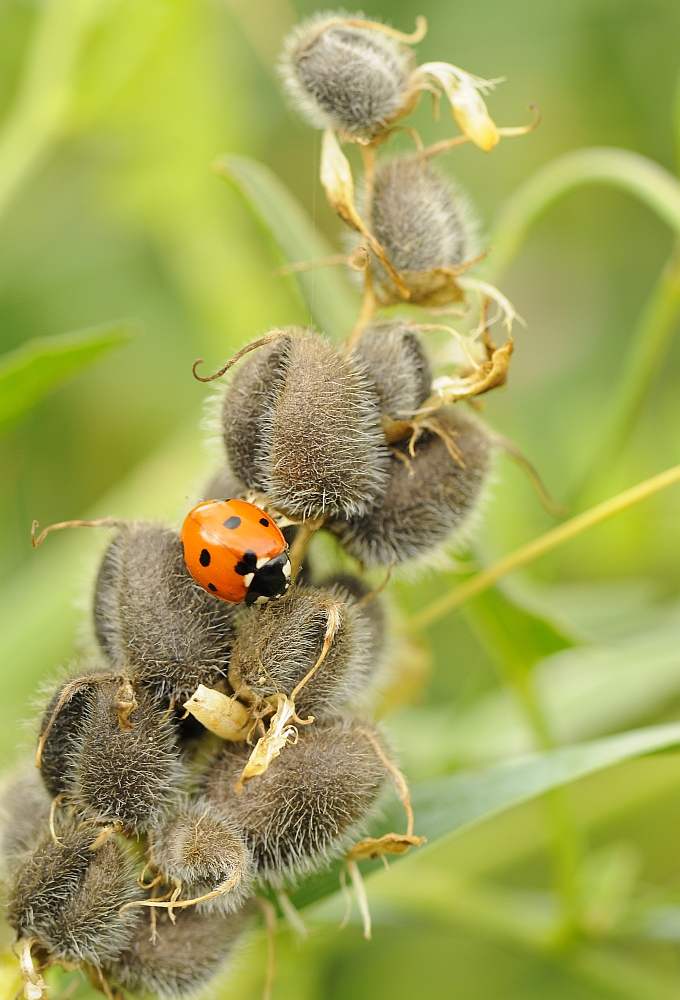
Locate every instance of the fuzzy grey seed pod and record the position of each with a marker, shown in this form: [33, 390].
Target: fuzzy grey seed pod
[224, 485]
[62, 734]
[418, 219]
[153, 619]
[310, 803]
[278, 646]
[185, 954]
[429, 497]
[351, 79]
[351, 588]
[24, 813]
[395, 361]
[302, 424]
[127, 769]
[68, 897]
[199, 845]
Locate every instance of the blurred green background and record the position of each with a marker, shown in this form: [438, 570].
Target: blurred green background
[115, 213]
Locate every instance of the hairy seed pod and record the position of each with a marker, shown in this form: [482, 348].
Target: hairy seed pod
[349, 588]
[417, 218]
[429, 496]
[127, 769]
[200, 846]
[351, 79]
[61, 728]
[185, 954]
[224, 485]
[24, 813]
[302, 425]
[151, 617]
[277, 647]
[310, 802]
[68, 896]
[396, 362]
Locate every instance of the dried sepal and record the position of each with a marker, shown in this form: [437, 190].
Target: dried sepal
[468, 108]
[282, 729]
[220, 714]
[337, 182]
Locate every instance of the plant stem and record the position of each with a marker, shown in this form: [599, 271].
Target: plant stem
[650, 340]
[540, 546]
[45, 91]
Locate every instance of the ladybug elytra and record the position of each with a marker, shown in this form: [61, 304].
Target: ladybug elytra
[235, 551]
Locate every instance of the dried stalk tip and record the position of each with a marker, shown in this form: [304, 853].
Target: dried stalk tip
[351, 78]
[307, 807]
[434, 490]
[152, 618]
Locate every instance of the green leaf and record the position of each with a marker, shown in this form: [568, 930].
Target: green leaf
[444, 806]
[514, 637]
[295, 238]
[39, 366]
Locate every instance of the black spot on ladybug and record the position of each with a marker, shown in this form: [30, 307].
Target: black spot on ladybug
[232, 522]
[247, 565]
[204, 557]
[211, 586]
[264, 521]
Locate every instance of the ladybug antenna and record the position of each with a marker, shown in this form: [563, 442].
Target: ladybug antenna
[102, 522]
[239, 354]
[532, 474]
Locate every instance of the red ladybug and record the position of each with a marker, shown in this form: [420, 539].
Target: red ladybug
[235, 551]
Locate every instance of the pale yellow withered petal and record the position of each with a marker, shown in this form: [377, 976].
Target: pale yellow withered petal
[269, 746]
[337, 181]
[223, 716]
[390, 843]
[467, 105]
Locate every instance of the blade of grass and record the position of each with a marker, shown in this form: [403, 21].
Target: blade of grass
[540, 546]
[39, 366]
[328, 296]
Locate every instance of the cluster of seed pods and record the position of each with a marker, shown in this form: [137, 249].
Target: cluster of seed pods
[219, 743]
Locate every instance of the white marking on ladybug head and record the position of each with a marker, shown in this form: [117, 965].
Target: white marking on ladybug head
[248, 579]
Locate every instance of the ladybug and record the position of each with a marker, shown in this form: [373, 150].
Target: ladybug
[234, 550]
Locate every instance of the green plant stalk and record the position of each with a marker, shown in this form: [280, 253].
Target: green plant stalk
[660, 191]
[566, 841]
[45, 90]
[651, 337]
[540, 546]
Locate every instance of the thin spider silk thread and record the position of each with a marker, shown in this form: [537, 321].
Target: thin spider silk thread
[311, 294]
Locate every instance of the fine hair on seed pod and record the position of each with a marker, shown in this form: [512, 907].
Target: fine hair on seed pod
[24, 812]
[224, 485]
[351, 588]
[61, 729]
[309, 422]
[201, 847]
[430, 496]
[396, 362]
[310, 803]
[68, 896]
[181, 956]
[276, 647]
[352, 79]
[153, 619]
[418, 218]
[127, 770]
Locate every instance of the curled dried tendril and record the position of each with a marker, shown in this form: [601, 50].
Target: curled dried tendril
[102, 522]
[175, 903]
[267, 339]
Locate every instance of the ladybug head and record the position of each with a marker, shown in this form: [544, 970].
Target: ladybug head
[270, 581]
